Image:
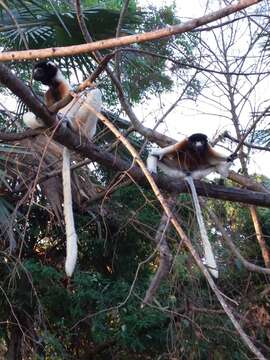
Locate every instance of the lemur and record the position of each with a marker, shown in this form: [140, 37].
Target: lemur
[192, 158]
[81, 119]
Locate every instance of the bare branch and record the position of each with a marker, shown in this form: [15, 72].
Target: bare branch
[190, 65]
[252, 127]
[165, 260]
[252, 146]
[126, 40]
[117, 35]
[259, 236]
[247, 182]
[248, 265]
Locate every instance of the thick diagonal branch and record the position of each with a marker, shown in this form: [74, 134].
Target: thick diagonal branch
[73, 141]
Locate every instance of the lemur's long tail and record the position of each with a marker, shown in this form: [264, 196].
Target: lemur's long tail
[71, 236]
[208, 252]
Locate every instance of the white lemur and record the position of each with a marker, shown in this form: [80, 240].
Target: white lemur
[192, 158]
[81, 119]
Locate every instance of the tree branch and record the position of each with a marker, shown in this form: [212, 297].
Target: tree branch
[243, 138]
[68, 138]
[248, 265]
[165, 260]
[247, 182]
[6, 137]
[259, 236]
[117, 35]
[73, 141]
[249, 145]
[126, 40]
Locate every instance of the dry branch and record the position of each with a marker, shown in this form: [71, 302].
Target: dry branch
[247, 182]
[68, 138]
[165, 260]
[248, 265]
[259, 236]
[247, 144]
[126, 40]
[186, 241]
[252, 127]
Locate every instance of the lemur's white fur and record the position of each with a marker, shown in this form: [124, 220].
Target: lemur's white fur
[218, 165]
[32, 121]
[208, 251]
[71, 235]
[75, 110]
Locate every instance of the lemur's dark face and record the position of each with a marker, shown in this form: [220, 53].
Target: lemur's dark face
[45, 72]
[198, 143]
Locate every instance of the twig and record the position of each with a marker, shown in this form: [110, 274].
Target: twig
[189, 65]
[249, 145]
[117, 35]
[248, 265]
[171, 108]
[241, 141]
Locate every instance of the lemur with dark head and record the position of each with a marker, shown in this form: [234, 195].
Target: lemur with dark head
[192, 158]
[81, 119]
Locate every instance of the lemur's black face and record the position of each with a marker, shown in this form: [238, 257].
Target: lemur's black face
[45, 72]
[198, 143]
